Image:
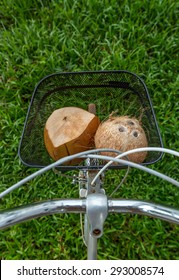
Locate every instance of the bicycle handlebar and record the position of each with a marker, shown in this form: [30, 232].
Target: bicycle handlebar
[23, 213]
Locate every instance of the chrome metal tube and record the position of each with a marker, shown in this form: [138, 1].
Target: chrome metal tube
[144, 208]
[23, 213]
[92, 247]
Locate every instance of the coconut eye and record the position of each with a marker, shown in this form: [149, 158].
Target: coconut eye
[135, 133]
[130, 122]
[122, 128]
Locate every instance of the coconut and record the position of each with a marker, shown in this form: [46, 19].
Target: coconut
[122, 133]
[68, 131]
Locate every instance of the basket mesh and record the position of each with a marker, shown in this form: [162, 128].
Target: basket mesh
[108, 90]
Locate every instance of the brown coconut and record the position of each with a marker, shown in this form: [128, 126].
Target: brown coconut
[122, 133]
[68, 131]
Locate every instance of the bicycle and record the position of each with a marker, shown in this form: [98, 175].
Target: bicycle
[93, 203]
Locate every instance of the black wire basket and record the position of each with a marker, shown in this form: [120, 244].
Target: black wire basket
[110, 91]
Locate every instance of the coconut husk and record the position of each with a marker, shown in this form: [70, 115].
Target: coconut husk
[122, 133]
[68, 131]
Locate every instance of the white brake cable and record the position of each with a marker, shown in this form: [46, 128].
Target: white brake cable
[51, 166]
[138, 166]
[153, 149]
[111, 159]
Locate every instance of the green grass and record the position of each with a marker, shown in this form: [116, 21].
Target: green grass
[40, 37]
